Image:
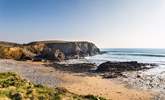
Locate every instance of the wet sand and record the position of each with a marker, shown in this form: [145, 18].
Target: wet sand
[75, 82]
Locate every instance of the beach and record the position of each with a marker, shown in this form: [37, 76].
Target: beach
[79, 83]
[82, 50]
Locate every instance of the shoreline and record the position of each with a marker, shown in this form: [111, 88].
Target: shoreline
[79, 83]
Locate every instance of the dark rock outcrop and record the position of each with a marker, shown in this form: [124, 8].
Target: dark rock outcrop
[121, 66]
[115, 69]
[76, 68]
[113, 75]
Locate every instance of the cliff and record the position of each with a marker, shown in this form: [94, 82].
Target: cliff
[51, 50]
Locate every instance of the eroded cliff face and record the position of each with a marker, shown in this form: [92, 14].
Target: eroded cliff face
[70, 49]
[51, 50]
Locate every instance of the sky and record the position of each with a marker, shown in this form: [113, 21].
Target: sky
[107, 23]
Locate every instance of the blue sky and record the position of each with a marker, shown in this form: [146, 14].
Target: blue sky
[108, 23]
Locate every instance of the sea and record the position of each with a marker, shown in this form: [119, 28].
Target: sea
[142, 55]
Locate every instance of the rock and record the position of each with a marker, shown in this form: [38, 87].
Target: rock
[120, 66]
[52, 54]
[16, 96]
[117, 69]
[50, 50]
[16, 53]
[76, 68]
[138, 76]
[70, 49]
[113, 75]
[38, 58]
[11, 53]
[61, 56]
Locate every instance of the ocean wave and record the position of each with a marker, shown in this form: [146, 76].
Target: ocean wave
[147, 55]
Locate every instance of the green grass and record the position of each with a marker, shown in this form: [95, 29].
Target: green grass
[13, 87]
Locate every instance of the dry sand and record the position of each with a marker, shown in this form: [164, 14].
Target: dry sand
[74, 82]
[110, 89]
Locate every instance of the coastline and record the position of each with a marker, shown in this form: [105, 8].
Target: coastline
[82, 50]
[80, 83]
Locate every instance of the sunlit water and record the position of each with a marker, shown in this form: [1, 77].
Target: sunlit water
[156, 56]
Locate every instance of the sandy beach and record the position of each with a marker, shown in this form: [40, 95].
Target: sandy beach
[78, 83]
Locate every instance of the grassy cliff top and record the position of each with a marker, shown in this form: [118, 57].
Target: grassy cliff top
[12, 44]
[55, 42]
[13, 87]
[9, 44]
